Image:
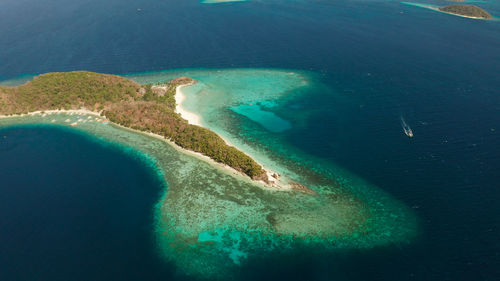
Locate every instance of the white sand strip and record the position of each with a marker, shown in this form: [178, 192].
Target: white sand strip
[191, 117]
[274, 178]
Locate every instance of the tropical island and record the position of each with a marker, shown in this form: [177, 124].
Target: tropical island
[145, 108]
[469, 11]
[208, 221]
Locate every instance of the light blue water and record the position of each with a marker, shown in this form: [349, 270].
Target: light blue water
[267, 119]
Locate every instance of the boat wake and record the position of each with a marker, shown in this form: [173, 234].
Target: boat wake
[406, 128]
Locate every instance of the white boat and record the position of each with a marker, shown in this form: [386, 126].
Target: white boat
[406, 128]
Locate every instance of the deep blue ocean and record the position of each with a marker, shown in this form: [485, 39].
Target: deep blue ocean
[382, 59]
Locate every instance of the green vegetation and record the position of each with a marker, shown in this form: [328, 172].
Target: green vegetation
[466, 10]
[141, 107]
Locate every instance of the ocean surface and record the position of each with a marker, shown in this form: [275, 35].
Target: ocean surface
[74, 207]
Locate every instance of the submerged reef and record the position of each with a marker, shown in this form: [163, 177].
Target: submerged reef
[210, 221]
[227, 222]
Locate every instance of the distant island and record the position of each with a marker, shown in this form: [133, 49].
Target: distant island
[470, 11]
[461, 10]
[146, 108]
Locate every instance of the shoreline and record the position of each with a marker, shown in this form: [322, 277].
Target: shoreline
[275, 180]
[275, 184]
[191, 117]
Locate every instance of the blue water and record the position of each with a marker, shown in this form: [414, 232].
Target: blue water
[73, 208]
[379, 60]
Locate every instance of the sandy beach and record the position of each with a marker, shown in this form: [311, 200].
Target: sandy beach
[191, 117]
[274, 178]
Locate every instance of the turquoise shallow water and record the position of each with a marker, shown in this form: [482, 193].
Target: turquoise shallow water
[219, 94]
[210, 221]
[256, 110]
[253, 108]
[266, 119]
